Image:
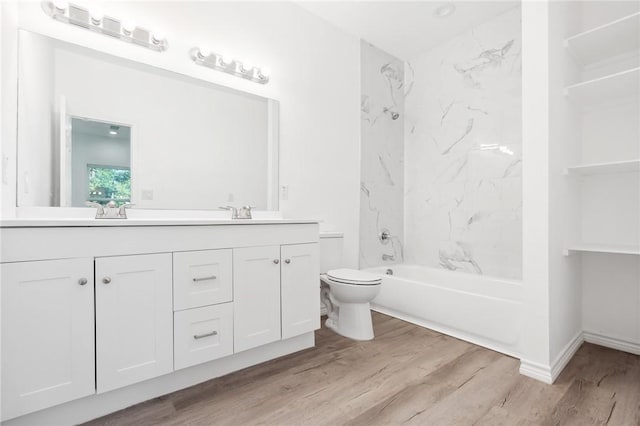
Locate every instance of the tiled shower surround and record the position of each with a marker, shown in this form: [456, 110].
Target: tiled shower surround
[463, 152]
[382, 156]
[445, 177]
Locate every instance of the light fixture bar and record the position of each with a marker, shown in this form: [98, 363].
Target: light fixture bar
[95, 21]
[216, 61]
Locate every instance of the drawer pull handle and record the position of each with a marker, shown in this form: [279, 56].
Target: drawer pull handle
[212, 277]
[276, 261]
[106, 280]
[202, 336]
[287, 261]
[83, 281]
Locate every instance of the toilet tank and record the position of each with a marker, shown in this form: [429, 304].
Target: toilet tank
[330, 251]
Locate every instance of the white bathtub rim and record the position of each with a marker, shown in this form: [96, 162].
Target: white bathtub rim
[453, 332]
[517, 287]
[466, 275]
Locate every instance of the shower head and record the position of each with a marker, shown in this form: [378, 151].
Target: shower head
[394, 115]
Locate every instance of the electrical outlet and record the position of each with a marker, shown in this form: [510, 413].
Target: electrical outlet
[231, 198]
[146, 194]
[284, 192]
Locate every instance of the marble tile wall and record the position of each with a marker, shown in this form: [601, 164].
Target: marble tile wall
[463, 153]
[382, 156]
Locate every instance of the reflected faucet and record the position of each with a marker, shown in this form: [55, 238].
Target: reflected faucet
[388, 257]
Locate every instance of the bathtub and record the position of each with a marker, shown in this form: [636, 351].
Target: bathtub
[486, 311]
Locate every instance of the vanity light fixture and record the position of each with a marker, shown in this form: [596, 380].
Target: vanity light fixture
[217, 61]
[113, 130]
[96, 21]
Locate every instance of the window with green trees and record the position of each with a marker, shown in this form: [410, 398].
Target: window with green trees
[109, 183]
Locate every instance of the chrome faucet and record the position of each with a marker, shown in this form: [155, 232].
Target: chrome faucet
[110, 211]
[239, 213]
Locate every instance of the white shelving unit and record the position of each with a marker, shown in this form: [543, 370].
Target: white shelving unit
[628, 166]
[606, 41]
[602, 248]
[618, 85]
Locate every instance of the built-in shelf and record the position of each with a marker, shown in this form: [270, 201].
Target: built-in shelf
[606, 41]
[619, 85]
[602, 248]
[604, 168]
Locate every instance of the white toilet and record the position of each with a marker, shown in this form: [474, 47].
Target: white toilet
[345, 293]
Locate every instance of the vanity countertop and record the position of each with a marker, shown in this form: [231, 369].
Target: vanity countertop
[84, 222]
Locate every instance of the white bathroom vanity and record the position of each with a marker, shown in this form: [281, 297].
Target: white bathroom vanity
[98, 315]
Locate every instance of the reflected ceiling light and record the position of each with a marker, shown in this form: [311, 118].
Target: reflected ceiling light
[113, 130]
[444, 10]
[61, 4]
[222, 62]
[96, 21]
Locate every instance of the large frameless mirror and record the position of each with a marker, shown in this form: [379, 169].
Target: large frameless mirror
[95, 127]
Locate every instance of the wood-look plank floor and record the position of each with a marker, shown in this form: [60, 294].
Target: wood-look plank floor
[407, 375]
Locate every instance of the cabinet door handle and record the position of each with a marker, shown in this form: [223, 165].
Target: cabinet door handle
[212, 277]
[287, 261]
[276, 261]
[83, 281]
[106, 280]
[202, 336]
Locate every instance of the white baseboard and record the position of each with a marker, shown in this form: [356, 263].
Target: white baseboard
[549, 373]
[613, 343]
[536, 371]
[565, 355]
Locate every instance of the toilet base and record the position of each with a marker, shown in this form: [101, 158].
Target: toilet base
[354, 321]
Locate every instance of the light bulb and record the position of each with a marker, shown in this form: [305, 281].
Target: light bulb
[247, 66]
[444, 10]
[264, 72]
[61, 4]
[204, 51]
[157, 37]
[128, 27]
[225, 59]
[96, 16]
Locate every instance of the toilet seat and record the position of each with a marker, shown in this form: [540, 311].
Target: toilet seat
[353, 277]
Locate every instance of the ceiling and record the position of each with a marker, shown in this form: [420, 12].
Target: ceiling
[100, 128]
[405, 28]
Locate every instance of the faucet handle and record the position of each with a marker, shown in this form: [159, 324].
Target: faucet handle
[122, 211]
[234, 211]
[98, 206]
[245, 212]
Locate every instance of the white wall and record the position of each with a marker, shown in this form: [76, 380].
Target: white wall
[382, 156]
[463, 153]
[9, 89]
[314, 74]
[535, 360]
[37, 173]
[565, 290]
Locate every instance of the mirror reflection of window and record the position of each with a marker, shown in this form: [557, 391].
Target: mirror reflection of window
[100, 162]
[106, 183]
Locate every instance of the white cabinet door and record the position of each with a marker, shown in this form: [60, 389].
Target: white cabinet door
[47, 334]
[256, 296]
[134, 319]
[300, 287]
[201, 278]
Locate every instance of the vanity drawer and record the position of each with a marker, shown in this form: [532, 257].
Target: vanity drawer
[202, 334]
[202, 278]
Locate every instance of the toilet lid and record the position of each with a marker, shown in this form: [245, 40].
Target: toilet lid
[353, 276]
